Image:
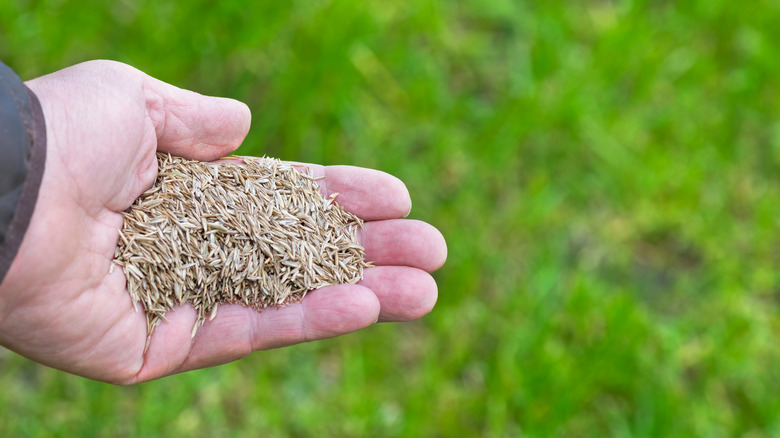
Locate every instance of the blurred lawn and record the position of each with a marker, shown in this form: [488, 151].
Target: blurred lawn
[607, 175]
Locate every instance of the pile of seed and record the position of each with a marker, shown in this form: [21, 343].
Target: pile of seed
[256, 232]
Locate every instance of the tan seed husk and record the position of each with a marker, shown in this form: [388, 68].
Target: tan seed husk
[257, 232]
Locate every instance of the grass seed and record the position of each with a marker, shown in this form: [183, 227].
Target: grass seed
[256, 232]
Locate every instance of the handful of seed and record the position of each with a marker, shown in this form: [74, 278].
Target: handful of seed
[258, 233]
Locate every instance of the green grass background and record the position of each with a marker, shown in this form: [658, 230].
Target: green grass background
[607, 176]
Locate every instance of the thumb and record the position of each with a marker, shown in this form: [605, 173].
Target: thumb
[194, 126]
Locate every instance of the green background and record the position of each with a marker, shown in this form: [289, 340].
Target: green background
[606, 174]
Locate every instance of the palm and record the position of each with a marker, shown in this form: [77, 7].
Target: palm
[101, 156]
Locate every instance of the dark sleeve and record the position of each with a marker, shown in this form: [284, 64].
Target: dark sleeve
[22, 159]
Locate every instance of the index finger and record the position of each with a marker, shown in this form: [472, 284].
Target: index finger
[367, 193]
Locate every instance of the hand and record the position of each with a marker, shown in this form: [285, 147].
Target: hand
[60, 306]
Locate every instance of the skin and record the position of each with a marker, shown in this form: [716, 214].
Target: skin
[60, 306]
